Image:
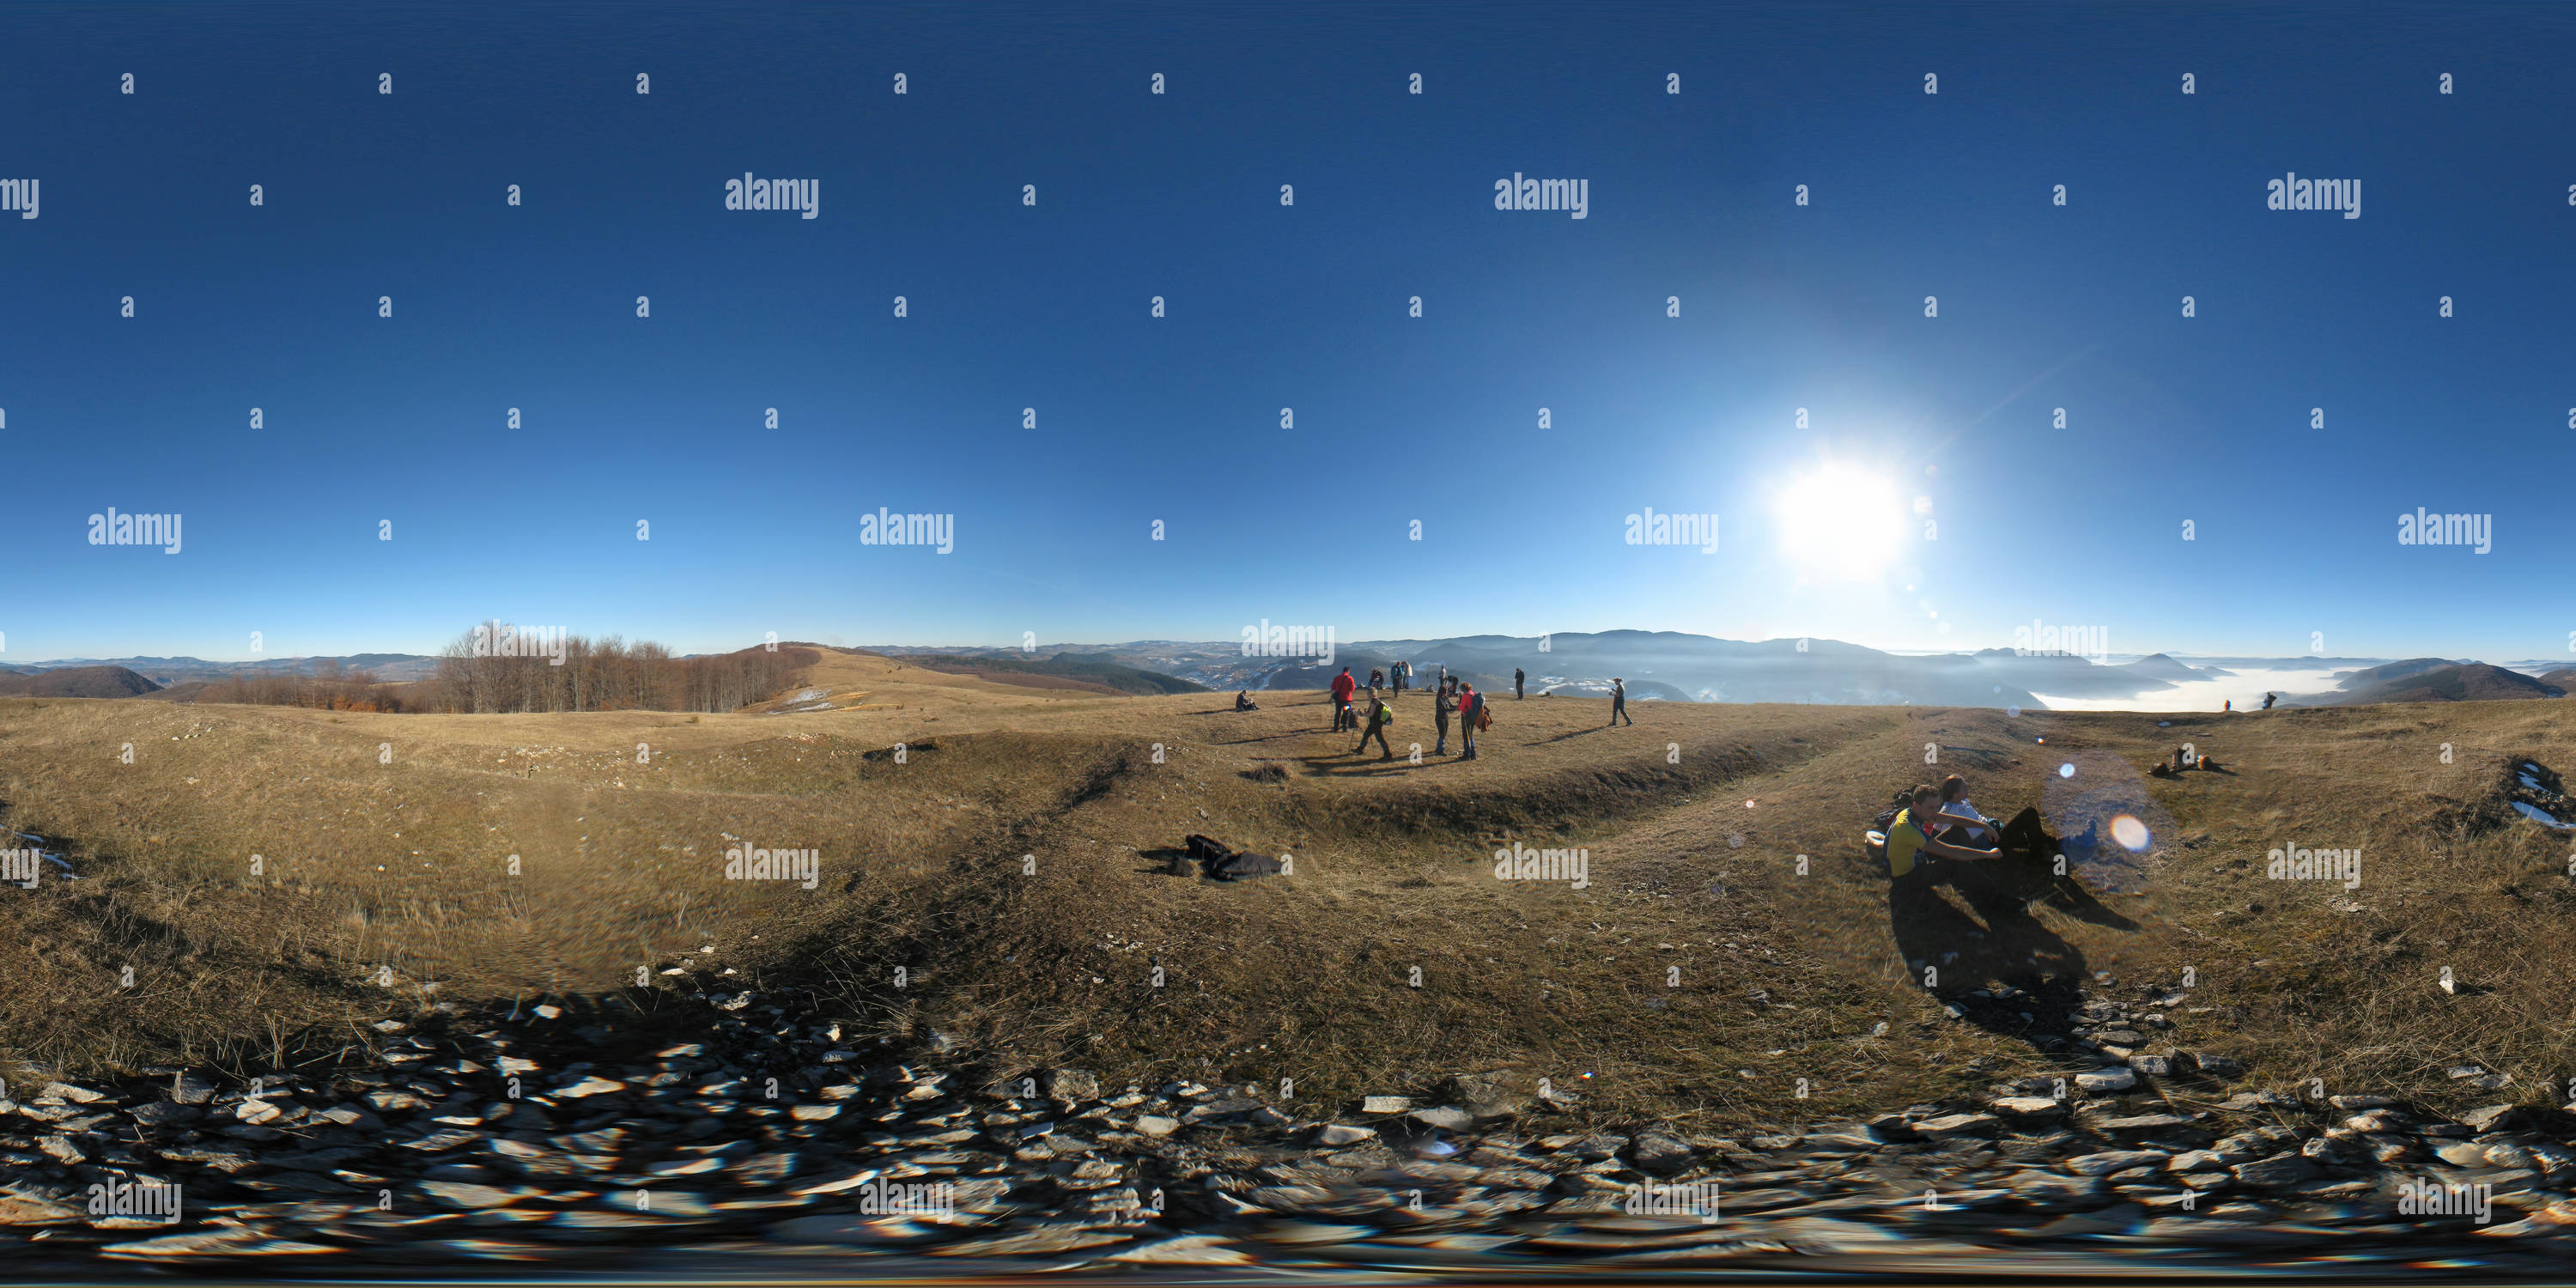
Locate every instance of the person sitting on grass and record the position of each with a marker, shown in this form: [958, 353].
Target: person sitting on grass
[1958, 815]
[1906, 838]
[1243, 701]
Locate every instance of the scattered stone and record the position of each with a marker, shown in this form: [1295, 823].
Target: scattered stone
[1445, 1117]
[2106, 1080]
[1073, 1086]
[2216, 1065]
[1156, 1126]
[1660, 1153]
[2028, 1106]
[2487, 1118]
[2275, 1172]
[1341, 1134]
[2117, 1160]
[1949, 1125]
[1385, 1104]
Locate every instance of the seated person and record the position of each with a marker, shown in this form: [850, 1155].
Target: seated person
[1958, 816]
[1906, 839]
[1243, 701]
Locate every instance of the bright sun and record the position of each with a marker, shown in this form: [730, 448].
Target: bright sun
[1841, 522]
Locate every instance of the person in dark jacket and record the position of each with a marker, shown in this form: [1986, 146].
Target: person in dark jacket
[1516, 684]
[1471, 709]
[1443, 701]
[1243, 701]
[1619, 702]
[1379, 714]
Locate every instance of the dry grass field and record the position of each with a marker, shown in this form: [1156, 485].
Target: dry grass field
[1014, 867]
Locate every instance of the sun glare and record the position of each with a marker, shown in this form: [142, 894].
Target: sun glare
[1842, 522]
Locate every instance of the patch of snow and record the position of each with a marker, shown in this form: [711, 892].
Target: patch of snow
[2540, 816]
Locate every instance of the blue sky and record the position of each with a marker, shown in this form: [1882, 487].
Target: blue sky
[1012, 306]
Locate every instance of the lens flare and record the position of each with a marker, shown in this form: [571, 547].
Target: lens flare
[2129, 832]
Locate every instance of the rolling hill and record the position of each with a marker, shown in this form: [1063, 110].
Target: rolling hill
[77, 682]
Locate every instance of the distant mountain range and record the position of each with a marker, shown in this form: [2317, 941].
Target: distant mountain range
[166, 671]
[1666, 665]
[76, 682]
[2435, 679]
[1674, 666]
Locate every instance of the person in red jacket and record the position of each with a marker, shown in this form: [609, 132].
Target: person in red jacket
[1343, 687]
[1471, 708]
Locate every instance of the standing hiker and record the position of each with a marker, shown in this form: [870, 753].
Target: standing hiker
[2267, 700]
[1343, 687]
[1619, 702]
[1442, 703]
[1379, 715]
[1517, 694]
[1471, 712]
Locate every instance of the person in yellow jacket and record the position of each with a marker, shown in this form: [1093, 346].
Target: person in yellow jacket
[1907, 843]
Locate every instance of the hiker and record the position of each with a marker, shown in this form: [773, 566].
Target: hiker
[1906, 839]
[1619, 702]
[1377, 679]
[1973, 827]
[1343, 687]
[1442, 703]
[1471, 713]
[1516, 684]
[1243, 701]
[2267, 700]
[1380, 715]
[2230, 708]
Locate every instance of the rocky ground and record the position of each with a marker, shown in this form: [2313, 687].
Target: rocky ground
[622, 1141]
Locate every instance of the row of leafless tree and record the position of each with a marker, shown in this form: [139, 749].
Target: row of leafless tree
[329, 687]
[605, 675]
[595, 675]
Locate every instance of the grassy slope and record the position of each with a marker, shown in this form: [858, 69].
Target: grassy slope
[1308, 977]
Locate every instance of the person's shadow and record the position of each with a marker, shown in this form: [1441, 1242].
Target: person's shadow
[1960, 924]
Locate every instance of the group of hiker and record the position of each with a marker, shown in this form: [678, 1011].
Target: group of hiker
[1454, 698]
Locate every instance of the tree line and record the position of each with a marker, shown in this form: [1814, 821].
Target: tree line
[606, 674]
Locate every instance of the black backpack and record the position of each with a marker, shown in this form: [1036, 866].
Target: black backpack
[1887, 817]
